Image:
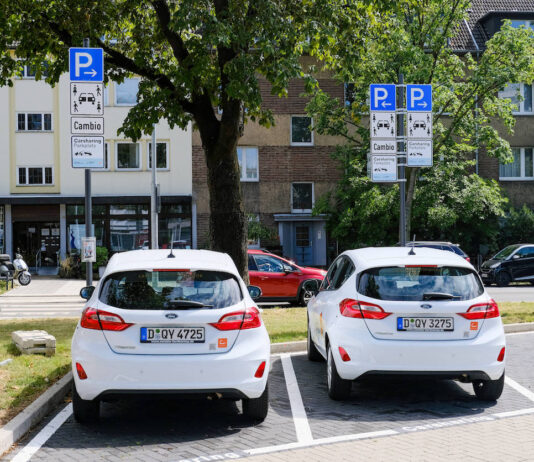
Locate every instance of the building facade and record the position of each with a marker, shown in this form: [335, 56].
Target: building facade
[284, 170]
[42, 196]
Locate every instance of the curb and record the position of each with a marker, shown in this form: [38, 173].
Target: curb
[11, 432]
[519, 327]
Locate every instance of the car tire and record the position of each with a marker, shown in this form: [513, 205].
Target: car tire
[85, 411]
[304, 296]
[489, 390]
[502, 279]
[338, 388]
[257, 408]
[313, 353]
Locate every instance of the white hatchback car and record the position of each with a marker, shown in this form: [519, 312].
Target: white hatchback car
[396, 310]
[161, 325]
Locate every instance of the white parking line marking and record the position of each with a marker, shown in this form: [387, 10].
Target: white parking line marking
[503, 415]
[42, 437]
[520, 388]
[302, 427]
[333, 439]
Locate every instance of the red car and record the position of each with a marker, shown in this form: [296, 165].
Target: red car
[279, 279]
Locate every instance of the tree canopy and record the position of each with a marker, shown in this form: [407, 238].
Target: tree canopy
[447, 201]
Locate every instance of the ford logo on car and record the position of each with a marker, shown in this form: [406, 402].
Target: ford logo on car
[426, 306]
[171, 315]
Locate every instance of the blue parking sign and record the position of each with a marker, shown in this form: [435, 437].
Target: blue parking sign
[383, 97]
[419, 98]
[86, 64]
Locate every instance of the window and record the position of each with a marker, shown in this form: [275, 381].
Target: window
[269, 264]
[35, 122]
[301, 131]
[162, 156]
[521, 168]
[126, 92]
[28, 72]
[520, 94]
[302, 197]
[128, 156]
[248, 163]
[331, 276]
[31, 176]
[522, 22]
[350, 93]
[525, 252]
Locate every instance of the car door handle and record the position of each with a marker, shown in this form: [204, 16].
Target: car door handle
[263, 278]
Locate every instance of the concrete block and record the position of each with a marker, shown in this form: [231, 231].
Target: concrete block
[34, 341]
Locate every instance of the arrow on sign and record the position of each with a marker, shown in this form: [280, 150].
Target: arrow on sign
[423, 104]
[384, 104]
[92, 73]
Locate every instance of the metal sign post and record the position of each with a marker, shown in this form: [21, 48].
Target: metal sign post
[402, 174]
[154, 193]
[86, 73]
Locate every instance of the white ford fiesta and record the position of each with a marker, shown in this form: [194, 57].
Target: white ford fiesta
[396, 310]
[162, 323]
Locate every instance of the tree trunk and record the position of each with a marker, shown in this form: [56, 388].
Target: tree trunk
[228, 224]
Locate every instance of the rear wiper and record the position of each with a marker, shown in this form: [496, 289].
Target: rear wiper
[439, 296]
[186, 304]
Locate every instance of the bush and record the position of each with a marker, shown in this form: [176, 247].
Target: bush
[102, 256]
[517, 227]
[70, 268]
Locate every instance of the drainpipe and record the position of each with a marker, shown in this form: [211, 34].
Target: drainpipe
[476, 96]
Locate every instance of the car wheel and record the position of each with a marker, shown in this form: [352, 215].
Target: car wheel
[305, 296]
[489, 390]
[85, 411]
[313, 353]
[24, 278]
[257, 408]
[503, 279]
[338, 388]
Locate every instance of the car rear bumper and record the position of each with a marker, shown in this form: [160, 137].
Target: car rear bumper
[230, 374]
[450, 358]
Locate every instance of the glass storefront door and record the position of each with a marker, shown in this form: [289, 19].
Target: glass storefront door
[37, 242]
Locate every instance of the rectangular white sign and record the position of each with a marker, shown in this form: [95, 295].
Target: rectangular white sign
[383, 125]
[419, 153]
[88, 249]
[383, 168]
[87, 151]
[87, 125]
[419, 125]
[383, 146]
[86, 99]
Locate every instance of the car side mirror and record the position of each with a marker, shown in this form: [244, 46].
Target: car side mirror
[254, 292]
[288, 269]
[515, 257]
[87, 292]
[312, 286]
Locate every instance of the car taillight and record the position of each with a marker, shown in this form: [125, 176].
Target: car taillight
[482, 311]
[353, 309]
[500, 358]
[344, 355]
[260, 370]
[93, 318]
[468, 259]
[239, 320]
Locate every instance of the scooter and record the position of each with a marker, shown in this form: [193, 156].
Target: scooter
[21, 270]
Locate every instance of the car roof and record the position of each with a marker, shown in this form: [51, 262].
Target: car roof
[372, 257]
[257, 251]
[184, 258]
[431, 242]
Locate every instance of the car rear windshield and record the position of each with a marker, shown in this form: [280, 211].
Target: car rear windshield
[420, 283]
[163, 290]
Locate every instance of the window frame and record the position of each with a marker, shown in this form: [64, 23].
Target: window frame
[26, 129]
[521, 108]
[27, 175]
[139, 157]
[300, 143]
[522, 176]
[294, 210]
[167, 157]
[243, 165]
[116, 93]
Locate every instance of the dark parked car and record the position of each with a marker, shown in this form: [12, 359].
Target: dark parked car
[449, 246]
[513, 263]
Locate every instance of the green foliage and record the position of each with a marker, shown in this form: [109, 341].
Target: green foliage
[446, 201]
[517, 227]
[70, 267]
[102, 256]
[257, 230]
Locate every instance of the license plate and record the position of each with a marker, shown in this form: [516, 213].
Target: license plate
[172, 335]
[484, 275]
[420, 324]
